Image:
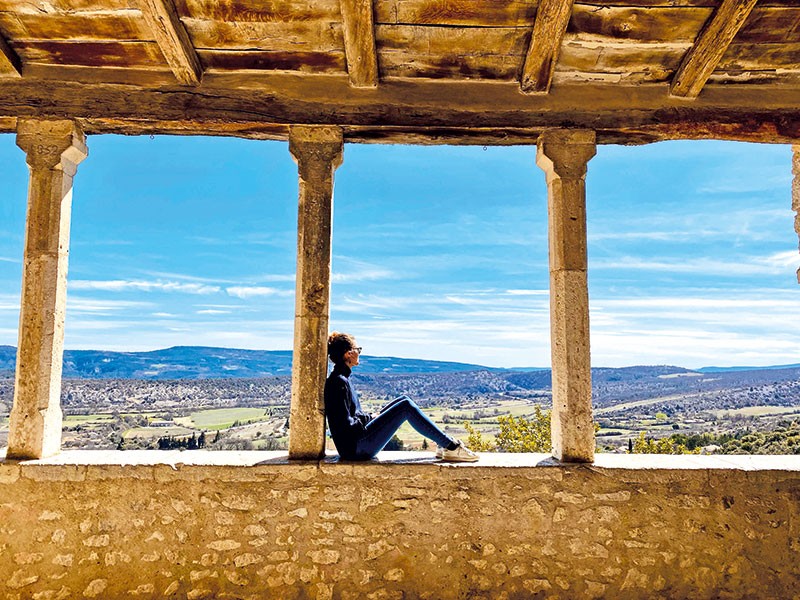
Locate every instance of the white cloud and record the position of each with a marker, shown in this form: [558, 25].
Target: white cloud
[528, 292]
[780, 260]
[356, 271]
[363, 275]
[274, 278]
[170, 275]
[728, 224]
[743, 181]
[121, 285]
[78, 305]
[669, 302]
[773, 264]
[213, 311]
[362, 302]
[137, 336]
[245, 292]
[11, 260]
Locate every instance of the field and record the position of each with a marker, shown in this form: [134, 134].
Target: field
[222, 418]
[759, 411]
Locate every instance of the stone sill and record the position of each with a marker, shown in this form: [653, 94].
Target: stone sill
[201, 458]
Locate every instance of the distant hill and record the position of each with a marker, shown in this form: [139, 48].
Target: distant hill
[730, 369]
[200, 362]
[392, 375]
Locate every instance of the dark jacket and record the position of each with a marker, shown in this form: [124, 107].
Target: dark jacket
[346, 420]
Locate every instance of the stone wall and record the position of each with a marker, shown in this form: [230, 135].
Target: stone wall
[251, 525]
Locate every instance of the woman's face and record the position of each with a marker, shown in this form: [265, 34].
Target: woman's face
[351, 356]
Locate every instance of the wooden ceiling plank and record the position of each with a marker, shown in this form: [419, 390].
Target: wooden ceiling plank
[10, 64]
[171, 36]
[703, 57]
[549, 28]
[359, 43]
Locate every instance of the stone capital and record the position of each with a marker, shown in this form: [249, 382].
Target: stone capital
[564, 153]
[317, 145]
[52, 144]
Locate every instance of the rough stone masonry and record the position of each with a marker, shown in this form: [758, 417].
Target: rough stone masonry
[252, 525]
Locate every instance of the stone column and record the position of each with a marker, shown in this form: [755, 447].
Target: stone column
[563, 156]
[796, 192]
[318, 152]
[54, 149]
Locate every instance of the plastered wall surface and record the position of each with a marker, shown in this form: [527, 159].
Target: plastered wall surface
[253, 525]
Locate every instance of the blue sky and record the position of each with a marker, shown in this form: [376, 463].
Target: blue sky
[439, 252]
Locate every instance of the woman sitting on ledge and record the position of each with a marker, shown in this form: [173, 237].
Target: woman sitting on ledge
[359, 436]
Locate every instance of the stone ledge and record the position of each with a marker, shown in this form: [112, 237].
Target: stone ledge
[202, 525]
[202, 458]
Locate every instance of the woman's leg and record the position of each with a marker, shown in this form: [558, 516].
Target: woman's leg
[381, 429]
[393, 402]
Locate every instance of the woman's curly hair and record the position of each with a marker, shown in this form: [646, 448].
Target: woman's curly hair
[338, 345]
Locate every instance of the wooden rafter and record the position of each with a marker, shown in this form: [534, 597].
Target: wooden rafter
[173, 40]
[10, 65]
[359, 42]
[549, 28]
[703, 57]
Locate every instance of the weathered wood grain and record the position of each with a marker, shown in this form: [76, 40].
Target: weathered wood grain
[680, 3]
[755, 78]
[701, 60]
[551, 22]
[10, 64]
[304, 62]
[359, 42]
[124, 25]
[259, 10]
[91, 54]
[639, 24]
[171, 36]
[771, 25]
[755, 57]
[402, 64]
[679, 24]
[147, 76]
[317, 35]
[660, 60]
[475, 13]
[221, 101]
[452, 42]
[437, 52]
[35, 7]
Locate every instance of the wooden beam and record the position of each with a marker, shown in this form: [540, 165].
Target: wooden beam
[444, 112]
[10, 65]
[549, 28]
[359, 42]
[171, 36]
[703, 57]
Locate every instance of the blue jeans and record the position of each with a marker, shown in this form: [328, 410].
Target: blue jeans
[381, 429]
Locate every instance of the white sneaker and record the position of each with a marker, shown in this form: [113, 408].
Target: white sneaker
[439, 450]
[460, 454]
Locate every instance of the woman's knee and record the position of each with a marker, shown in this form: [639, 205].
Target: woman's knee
[408, 403]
